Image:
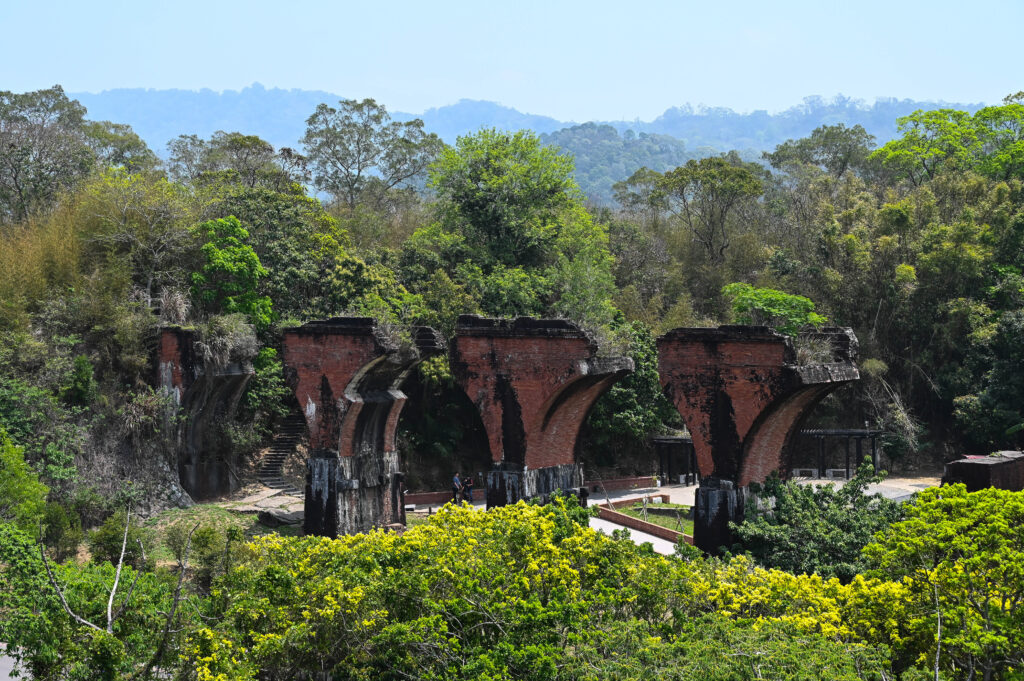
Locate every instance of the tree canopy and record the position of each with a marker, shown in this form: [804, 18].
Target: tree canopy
[358, 153]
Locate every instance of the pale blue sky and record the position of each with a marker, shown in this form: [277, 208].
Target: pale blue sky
[571, 60]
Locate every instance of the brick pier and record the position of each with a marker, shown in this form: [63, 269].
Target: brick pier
[534, 382]
[347, 377]
[742, 395]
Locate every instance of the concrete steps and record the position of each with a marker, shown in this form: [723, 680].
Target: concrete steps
[289, 435]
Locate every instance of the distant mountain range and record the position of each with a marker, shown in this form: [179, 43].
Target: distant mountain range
[279, 116]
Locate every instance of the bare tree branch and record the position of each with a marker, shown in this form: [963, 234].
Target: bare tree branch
[117, 575]
[183, 565]
[131, 589]
[60, 593]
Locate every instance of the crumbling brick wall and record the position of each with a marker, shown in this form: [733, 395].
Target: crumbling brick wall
[201, 398]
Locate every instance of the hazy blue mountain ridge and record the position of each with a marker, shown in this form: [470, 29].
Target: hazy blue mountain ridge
[605, 152]
[469, 115]
[724, 128]
[278, 116]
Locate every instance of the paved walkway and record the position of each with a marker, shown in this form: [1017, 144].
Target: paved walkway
[660, 545]
[896, 488]
[6, 666]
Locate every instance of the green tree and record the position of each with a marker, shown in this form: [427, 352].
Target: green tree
[45, 150]
[186, 158]
[989, 415]
[931, 141]
[513, 232]
[228, 279]
[1002, 138]
[641, 195]
[43, 427]
[603, 157]
[835, 148]
[91, 621]
[505, 193]
[22, 496]
[140, 221]
[120, 532]
[963, 556]
[358, 153]
[785, 312]
[299, 245]
[520, 592]
[82, 389]
[704, 193]
[116, 145]
[233, 158]
[511, 238]
[248, 155]
[817, 529]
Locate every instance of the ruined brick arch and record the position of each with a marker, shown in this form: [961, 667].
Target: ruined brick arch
[769, 443]
[533, 381]
[567, 410]
[743, 395]
[347, 377]
[375, 400]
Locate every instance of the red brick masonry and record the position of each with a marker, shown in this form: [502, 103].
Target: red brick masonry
[347, 377]
[742, 394]
[534, 381]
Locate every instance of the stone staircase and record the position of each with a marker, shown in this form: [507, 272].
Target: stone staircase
[289, 435]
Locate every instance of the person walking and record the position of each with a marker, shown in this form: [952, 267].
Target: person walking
[467, 489]
[456, 488]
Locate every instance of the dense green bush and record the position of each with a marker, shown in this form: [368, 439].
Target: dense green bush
[22, 496]
[63, 531]
[106, 542]
[816, 529]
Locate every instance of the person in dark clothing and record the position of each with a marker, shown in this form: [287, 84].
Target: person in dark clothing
[467, 489]
[456, 488]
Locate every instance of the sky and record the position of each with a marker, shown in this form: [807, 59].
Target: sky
[571, 60]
